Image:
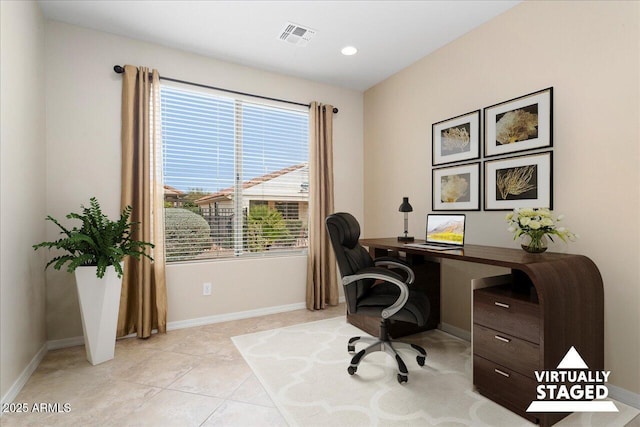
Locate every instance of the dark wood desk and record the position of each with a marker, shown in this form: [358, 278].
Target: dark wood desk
[567, 289]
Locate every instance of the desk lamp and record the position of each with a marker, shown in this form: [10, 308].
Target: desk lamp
[406, 208]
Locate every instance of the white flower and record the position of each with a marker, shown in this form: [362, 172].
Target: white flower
[527, 212]
[544, 212]
[534, 225]
[546, 222]
[525, 221]
[511, 229]
[560, 217]
[561, 229]
[509, 216]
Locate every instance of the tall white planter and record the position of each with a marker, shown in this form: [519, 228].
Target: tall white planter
[99, 304]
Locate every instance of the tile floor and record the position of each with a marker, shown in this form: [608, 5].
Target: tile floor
[187, 377]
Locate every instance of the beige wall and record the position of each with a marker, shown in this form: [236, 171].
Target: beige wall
[588, 51]
[83, 160]
[22, 209]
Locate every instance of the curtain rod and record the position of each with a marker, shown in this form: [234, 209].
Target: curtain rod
[119, 69]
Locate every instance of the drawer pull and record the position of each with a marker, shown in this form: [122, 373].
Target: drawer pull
[504, 374]
[503, 339]
[501, 304]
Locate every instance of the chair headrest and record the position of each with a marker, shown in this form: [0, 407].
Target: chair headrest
[347, 227]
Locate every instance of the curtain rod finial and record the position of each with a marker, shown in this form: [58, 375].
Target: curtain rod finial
[324, 108]
[118, 69]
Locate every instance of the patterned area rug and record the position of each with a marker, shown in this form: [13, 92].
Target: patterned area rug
[304, 370]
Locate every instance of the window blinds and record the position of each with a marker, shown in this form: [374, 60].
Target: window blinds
[235, 175]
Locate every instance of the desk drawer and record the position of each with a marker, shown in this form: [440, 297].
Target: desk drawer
[503, 385]
[506, 350]
[498, 310]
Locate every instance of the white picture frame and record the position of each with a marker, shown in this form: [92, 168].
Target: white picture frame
[456, 139]
[519, 182]
[456, 188]
[520, 124]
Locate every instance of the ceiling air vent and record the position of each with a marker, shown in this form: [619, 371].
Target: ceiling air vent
[296, 34]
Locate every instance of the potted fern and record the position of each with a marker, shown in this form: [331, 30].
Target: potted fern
[95, 252]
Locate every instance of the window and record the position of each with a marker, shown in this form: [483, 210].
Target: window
[289, 210]
[235, 175]
[255, 203]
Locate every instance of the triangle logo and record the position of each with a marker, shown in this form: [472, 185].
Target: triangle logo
[572, 360]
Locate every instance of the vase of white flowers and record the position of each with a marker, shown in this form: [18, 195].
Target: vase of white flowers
[534, 225]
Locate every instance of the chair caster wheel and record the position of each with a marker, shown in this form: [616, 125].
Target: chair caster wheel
[402, 378]
[352, 370]
[351, 348]
[420, 360]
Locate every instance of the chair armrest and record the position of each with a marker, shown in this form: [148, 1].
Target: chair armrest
[385, 275]
[396, 263]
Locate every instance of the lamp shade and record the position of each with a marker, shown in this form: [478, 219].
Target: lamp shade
[405, 206]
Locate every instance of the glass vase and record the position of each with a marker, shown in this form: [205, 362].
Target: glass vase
[534, 244]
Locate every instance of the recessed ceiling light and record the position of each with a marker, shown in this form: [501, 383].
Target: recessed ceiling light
[349, 50]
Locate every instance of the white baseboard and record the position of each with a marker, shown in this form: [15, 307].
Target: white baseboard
[65, 342]
[24, 376]
[455, 331]
[218, 318]
[189, 323]
[625, 396]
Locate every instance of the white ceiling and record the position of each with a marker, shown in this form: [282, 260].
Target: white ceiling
[390, 35]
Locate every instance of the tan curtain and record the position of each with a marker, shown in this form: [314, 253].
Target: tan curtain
[322, 284]
[143, 302]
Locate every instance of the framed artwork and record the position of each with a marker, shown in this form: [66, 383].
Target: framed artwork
[456, 139]
[519, 182]
[456, 188]
[524, 123]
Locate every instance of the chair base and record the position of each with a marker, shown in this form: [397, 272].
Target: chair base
[386, 344]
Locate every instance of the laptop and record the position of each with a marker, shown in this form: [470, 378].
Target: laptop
[444, 232]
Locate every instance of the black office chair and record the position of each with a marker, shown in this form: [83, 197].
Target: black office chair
[371, 288]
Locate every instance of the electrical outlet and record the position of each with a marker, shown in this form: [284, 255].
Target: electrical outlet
[206, 288]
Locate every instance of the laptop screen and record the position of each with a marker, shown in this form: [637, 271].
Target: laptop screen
[445, 229]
